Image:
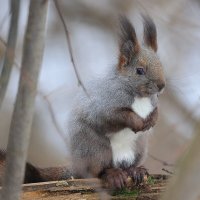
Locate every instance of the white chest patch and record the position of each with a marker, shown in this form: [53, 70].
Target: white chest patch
[123, 146]
[142, 106]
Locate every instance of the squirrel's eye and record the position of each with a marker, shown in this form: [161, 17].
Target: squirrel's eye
[140, 71]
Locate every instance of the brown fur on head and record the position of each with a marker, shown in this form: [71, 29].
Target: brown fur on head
[139, 63]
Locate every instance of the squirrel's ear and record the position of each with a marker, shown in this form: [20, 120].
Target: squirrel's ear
[128, 42]
[150, 33]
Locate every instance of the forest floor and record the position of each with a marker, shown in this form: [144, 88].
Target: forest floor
[90, 189]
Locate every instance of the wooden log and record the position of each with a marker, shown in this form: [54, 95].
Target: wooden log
[89, 189]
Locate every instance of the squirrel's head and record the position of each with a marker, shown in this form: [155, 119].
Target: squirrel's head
[140, 63]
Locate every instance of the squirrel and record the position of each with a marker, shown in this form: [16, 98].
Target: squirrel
[107, 130]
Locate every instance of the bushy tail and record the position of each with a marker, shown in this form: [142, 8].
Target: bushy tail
[34, 174]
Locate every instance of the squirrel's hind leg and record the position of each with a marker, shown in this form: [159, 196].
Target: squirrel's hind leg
[90, 155]
[115, 177]
[137, 174]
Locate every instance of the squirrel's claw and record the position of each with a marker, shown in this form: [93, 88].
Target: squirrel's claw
[137, 174]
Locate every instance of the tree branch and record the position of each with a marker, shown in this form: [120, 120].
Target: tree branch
[24, 106]
[70, 46]
[10, 50]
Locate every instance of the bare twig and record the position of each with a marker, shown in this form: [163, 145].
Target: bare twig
[161, 161]
[52, 115]
[16, 64]
[70, 46]
[24, 106]
[167, 171]
[10, 50]
[43, 96]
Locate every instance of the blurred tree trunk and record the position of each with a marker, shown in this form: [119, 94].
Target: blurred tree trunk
[185, 183]
[10, 50]
[24, 106]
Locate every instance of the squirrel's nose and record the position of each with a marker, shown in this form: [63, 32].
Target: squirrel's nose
[160, 86]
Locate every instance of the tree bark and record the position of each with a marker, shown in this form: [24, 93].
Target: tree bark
[24, 106]
[10, 50]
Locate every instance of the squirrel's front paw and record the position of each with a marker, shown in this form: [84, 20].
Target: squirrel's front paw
[138, 125]
[151, 119]
[115, 177]
[142, 126]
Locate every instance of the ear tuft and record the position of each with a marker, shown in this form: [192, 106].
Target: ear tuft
[129, 45]
[150, 33]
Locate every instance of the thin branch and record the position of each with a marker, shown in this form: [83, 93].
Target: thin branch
[43, 96]
[70, 46]
[21, 123]
[161, 161]
[52, 115]
[16, 64]
[167, 171]
[10, 50]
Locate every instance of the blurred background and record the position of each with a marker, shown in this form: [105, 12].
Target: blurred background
[92, 29]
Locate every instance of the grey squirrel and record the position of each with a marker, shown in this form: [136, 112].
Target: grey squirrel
[107, 130]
